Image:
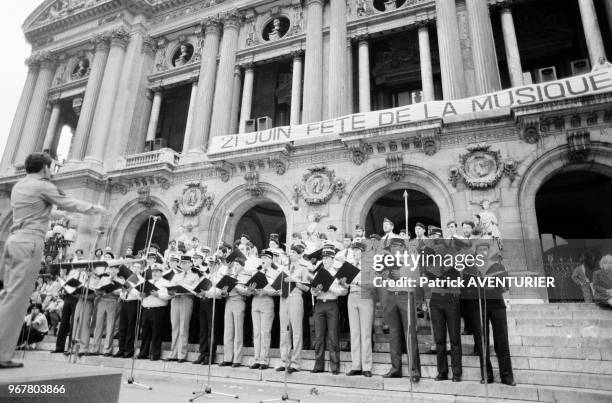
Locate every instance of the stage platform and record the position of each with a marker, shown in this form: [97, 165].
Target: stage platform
[40, 381]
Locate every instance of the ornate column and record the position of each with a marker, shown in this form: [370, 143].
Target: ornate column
[364, 74]
[106, 100]
[483, 47]
[236, 100]
[222, 104]
[451, 64]
[32, 128]
[21, 113]
[592, 35]
[313, 69]
[52, 127]
[206, 87]
[296, 89]
[247, 96]
[338, 77]
[88, 108]
[427, 85]
[190, 113]
[350, 77]
[513, 57]
[154, 117]
[608, 6]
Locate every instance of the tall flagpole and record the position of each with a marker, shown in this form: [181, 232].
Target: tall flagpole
[409, 335]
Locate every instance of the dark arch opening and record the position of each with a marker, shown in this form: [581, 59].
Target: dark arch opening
[260, 221]
[574, 213]
[160, 236]
[421, 208]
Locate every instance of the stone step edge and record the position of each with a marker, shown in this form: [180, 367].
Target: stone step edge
[346, 364]
[539, 389]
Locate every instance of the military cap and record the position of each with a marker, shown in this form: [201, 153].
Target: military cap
[185, 258]
[358, 245]
[420, 224]
[245, 236]
[328, 252]
[433, 230]
[375, 236]
[387, 220]
[333, 227]
[298, 247]
[174, 257]
[266, 253]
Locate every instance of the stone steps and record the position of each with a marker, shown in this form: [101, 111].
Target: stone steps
[593, 374]
[466, 389]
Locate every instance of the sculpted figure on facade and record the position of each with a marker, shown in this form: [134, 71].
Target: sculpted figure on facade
[184, 55]
[275, 33]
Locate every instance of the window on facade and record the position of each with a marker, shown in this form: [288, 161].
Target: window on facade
[550, 38]
[173, 117]
[396, 71]
[272, 93]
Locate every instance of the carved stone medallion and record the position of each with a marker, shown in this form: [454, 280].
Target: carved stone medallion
[319, 185]
[194, 199]
[480, 168]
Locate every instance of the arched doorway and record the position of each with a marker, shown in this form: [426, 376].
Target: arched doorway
[161, 235]
[421, 208]
[574, 220]
[260, 221]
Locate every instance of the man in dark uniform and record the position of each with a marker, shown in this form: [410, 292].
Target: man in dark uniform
[444, 306]
[494, 312]
[395, 308]
[32, 199]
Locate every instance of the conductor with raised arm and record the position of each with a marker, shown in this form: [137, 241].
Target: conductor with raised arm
[32, 199]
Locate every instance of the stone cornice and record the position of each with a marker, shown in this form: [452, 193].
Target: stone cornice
[35, 29]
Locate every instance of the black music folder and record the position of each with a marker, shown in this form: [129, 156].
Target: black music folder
[203, 285]
[348, 271]
[227, 281]
[324, 278]
[259, 279]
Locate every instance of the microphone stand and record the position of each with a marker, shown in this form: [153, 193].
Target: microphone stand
[285, 396]
[208, 388]
[409, 335]
[484, 326]
[130, 379]
[74, 351]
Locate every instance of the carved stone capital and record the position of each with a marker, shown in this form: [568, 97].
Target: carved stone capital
[47, 60]
[224, 169]
[314, 3]
[119, 37]
[232, 20]
[101, 42]
[253, 185]
[212, 26]
[424, 22]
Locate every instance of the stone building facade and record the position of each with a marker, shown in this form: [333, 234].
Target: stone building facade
[145, 86]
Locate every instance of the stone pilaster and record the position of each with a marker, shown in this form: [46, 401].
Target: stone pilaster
[190, 115]
[296, 89]
[425, 59]
[236, 100]
[222, 104]
[364, 74]
[154, 116]
[513, 57]
[592, 35]
[119, 39]
[313, 69]
[52, 126]
[131, 110]
[338, 66]
[451, 64]
[90, 99]
[247, 96]
[32, 128]
[483, 47]
[206, 87]
[21, 113]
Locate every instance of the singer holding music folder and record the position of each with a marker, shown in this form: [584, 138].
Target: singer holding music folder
[326, 290]
[290, 283]
[32, 199]
[181, 308]
[154, 300]
[262, 309]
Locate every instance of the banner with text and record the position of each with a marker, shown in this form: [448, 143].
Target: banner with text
[598, 81]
